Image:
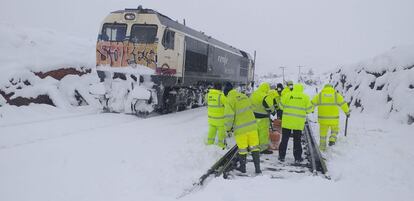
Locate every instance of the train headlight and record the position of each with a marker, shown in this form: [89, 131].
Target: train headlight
[129, 16]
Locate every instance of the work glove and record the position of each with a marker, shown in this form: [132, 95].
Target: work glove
[273, 116]
[230, 133]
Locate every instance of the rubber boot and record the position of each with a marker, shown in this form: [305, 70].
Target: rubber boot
[242, 161]
[256, 161]
[266, 151]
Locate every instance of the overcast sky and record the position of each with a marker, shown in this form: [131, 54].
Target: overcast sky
[321, 34]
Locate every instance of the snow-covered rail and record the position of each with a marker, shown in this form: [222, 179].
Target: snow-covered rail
[315, 156]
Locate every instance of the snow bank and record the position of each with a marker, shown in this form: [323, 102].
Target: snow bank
[28, 57]
[383, 85]
[2, 101]
[40, 50]
[73, 90]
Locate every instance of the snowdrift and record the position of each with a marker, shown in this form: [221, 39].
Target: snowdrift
[383, 85]
[44, 66]
[41, 50]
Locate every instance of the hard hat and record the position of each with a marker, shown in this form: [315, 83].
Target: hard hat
[290, 84]
[279, 87]
[217, 85]
[327, 83]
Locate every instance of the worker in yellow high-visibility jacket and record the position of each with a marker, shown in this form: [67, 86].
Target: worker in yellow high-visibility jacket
[275, 99]
[295, 105]
[328, 102]
[215, 110]
[262, 108]
[288, 88]
[239, 117]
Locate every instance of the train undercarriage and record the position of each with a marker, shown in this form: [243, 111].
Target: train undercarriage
[131, 93]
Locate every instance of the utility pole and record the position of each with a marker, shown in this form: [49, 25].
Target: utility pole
[299, 67]
[283, 73]
[254, 68]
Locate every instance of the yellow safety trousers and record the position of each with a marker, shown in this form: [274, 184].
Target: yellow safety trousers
[214, 130]
[323, 131]
[247, 140]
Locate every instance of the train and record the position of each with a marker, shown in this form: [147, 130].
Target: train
[149, 62]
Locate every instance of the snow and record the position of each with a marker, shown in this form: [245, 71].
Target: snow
[102, 157]
[83, 85]
[308, 78]
[62, 93]
[78, 153]
[40, 50]
[135, 70]
[383, 84]
[26, 51]
[2, 101]
[84, 155]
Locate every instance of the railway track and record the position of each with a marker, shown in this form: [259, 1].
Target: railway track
[313, 164]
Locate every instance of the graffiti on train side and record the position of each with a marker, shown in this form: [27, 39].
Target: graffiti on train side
[118, 54]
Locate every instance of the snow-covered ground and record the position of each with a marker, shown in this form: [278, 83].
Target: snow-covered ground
[67, 153]
[52, 154]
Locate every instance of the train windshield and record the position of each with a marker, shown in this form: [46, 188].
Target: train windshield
[143, 33]
[114, 32]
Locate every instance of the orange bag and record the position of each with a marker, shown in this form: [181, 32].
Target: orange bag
[274, 139]
[277, 125]
[275, 135]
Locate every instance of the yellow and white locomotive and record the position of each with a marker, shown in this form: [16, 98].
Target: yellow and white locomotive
[149, 61]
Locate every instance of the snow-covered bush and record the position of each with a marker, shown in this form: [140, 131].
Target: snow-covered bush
[73, 90]
[383, 85]
[34, 64]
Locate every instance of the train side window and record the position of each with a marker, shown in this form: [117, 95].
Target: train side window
[168, 39]
[196, 56]
[244, 66]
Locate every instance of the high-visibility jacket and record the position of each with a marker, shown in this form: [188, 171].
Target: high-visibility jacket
[215, 107]
[275, 96]
[262, 103]
[238, 113]
[285, 91]
[295, 106]
[328, 102]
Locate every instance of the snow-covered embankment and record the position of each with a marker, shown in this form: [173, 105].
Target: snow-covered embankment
[382, 86]
[45, 66]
